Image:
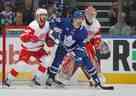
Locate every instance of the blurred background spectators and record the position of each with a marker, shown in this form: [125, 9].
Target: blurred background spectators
[121, 28]
[7, 15]
[113, 14]
[28, 15]
[110, 12]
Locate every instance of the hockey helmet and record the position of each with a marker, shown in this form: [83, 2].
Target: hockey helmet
[41, 16]
[78, 14]
[40, 11]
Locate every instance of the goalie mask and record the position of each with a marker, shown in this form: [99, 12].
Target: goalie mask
[41, 16]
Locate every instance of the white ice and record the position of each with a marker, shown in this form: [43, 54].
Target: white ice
[24, 90]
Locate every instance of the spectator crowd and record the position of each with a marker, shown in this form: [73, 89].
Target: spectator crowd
[122, 15]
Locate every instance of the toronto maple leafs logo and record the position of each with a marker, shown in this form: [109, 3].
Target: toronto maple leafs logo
[68, 41]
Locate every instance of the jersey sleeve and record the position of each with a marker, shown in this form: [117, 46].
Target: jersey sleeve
[56, 22]
[84, 35]
[28, 35]
[57, 29]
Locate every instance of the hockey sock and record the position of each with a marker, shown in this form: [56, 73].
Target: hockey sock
[51, 74]
[12, 75]
[96, 79]
[41, 70]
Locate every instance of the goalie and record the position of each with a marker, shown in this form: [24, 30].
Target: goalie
[32, 45]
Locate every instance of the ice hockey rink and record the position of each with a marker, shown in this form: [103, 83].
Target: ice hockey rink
[75, 90]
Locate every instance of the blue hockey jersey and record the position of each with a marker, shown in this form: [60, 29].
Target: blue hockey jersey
[69, 36]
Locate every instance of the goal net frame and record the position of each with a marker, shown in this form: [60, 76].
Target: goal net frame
[8, 28]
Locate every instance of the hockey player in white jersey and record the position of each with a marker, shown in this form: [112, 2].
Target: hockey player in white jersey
[94, 36]
[32, 46]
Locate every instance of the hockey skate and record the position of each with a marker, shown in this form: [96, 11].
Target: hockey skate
[36, 81]
[100, 86]
[51, 82]
[7, 82]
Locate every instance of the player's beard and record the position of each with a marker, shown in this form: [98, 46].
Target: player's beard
[41, 22]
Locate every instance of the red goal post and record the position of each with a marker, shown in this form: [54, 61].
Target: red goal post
[8, 29]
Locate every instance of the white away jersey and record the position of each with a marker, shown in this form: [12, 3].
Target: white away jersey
[38, 32]
[94, 27]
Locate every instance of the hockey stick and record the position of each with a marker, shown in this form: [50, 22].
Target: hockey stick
[96, 61]
[106, 87]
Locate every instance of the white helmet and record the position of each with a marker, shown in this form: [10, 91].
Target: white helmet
[40, 11]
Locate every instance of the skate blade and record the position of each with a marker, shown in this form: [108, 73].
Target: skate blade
[55, 87]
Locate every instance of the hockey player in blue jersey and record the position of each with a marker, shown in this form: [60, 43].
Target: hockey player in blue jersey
[70, 36]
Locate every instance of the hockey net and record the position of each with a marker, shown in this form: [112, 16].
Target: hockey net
[10, 46]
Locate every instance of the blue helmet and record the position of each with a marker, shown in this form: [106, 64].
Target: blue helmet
[78, 14]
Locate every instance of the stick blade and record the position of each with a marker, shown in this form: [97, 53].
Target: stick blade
[106, 87]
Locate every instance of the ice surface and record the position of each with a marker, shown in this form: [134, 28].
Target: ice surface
[76, 90]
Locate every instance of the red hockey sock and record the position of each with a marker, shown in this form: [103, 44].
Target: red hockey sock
[42, 69]
[14, 72]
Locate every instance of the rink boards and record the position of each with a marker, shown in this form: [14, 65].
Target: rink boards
[118, 63]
